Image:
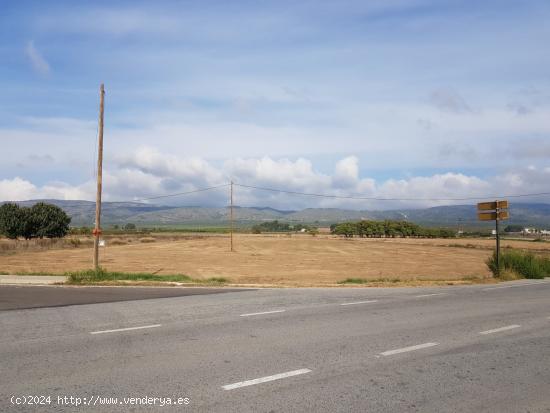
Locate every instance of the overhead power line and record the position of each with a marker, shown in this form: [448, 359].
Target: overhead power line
[181, 193]
[352, 197]
[367, 198]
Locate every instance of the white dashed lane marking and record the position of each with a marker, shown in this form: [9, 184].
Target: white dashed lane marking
[265, 379]
[407, 349]
[263, 312]
[498, 330]
[431, 295]
[360, 302]
[125, 329]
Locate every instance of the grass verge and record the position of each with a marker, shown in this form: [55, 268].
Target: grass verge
[365, 281]
[414, 282]
[103, 276]
[519, 264]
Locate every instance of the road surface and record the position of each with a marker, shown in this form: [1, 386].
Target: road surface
[482, 348]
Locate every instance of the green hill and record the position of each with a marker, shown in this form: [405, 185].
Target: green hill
[83, 212]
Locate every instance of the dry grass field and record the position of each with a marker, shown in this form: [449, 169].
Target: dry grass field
[300, 260]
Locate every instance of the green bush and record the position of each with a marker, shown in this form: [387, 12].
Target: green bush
[522, 263]
[545, 264]
[42, 220]
[11, 220]
[353, 281]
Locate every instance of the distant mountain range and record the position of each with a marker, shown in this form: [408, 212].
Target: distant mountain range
[83, 212]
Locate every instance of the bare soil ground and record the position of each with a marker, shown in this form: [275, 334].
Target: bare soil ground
[300, 260]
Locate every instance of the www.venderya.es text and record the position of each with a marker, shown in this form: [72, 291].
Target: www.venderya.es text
[96, 400]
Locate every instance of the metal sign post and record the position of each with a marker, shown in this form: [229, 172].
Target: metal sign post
[497, 235]
[495, 211]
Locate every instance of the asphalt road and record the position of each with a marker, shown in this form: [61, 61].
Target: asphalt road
[16, 297]
[450, 349]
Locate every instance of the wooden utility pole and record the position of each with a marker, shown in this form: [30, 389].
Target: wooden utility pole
[231, 216]
[97, 228]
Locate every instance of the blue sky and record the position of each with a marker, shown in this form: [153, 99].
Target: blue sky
[387, 98]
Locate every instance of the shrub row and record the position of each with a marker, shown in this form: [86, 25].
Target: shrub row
[389, 228]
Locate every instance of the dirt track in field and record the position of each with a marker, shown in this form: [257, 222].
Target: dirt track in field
[263, 259]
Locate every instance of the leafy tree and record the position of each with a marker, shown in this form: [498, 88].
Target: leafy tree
[28, 224]
[39, 221]
[46, 220]
[129, 227]
[11, 220]
[347, 229]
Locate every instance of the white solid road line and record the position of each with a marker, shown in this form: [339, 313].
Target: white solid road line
[125, 329]
[507, 286]
[515, 285]
[406, 349]
[264, 312]
[430, 295]
[265, 379]
[498, 330]
[360, 302]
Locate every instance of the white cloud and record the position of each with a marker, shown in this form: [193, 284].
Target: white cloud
[346, 172]
[148, 173]
[39, 64]
[267, 171]
[19, 189]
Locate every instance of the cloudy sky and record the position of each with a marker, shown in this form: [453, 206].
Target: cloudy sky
[379, 98]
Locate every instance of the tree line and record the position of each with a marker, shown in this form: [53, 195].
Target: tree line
[276, 226]
[42, 220]
[388, 229]
[129, 227]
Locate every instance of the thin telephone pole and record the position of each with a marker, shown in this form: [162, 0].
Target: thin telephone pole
[497, 237]
[97, 229]
[231, 215]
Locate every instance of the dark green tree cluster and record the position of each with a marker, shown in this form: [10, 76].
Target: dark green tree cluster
[513, 228]
[276, 226]
[42, 220]
[388, 229]
[129, 227]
